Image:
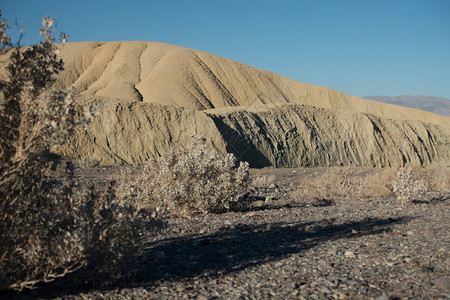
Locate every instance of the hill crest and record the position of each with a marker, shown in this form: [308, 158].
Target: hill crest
[437, 105]
[172, 75]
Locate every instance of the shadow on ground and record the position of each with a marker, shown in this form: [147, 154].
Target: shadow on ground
[227, 251]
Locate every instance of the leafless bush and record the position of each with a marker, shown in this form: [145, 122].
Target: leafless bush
[263, 181]
[335, 184]
[407, 184]
[347, 183]
[191, 180]
[47, 228]
[380, 183]
[437, 178]
[406, 187]
[110, 230]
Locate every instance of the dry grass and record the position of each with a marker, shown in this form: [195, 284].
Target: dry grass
[263, 181]
[437, 178]
[343, 184]
[335, 184]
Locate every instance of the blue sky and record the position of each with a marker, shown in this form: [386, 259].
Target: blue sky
[359, 47]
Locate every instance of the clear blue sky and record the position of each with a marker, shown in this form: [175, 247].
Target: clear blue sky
[359, 47]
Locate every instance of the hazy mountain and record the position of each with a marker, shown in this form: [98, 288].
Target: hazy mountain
[429, 103]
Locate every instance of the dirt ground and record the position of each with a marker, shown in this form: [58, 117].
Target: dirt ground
[285, 247]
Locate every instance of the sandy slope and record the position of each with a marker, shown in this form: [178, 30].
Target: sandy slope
[290, 135]
[153, 96]
[167, 74]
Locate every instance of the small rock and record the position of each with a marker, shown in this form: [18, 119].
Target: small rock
[442, 283]
[340, 296]
[328, 283]
[291, 284]
[258, 203]
[445, 295]
[179, 288]
[268, 199]
[332, 251]
[349, 254]
[279, 264]
[373, 245]
[295, 256]
[325, 263]
[383, 297]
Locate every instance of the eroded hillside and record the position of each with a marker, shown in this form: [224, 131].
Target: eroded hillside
[282, 136]
[171, 75]
[154, 96]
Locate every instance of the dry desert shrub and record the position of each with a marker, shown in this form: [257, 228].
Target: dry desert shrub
[410, 183]
[347, 183]
[380, 183]
[437, 178]
[407, 187]
[335, 184]
[191, 180]
[263, 181]
[406, 183]
[49, 227]
[110, 230]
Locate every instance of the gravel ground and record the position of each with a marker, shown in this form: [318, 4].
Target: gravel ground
[286, 248]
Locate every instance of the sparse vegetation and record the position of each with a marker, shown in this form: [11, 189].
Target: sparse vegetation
[406, 188]
[50, 227]
[191, 180]
[406, 183]
[263, 181]
[336, 184]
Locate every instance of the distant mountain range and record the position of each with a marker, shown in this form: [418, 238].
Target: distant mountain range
[437, 105]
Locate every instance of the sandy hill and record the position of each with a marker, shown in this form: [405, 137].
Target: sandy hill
[291, 135]
[438, 105]
[152, 96]
[171, 75]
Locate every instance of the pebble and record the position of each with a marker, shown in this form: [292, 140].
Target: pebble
[346, 250]
[332, 251]
[349, 253]
[442, 283]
